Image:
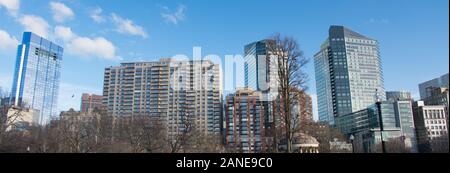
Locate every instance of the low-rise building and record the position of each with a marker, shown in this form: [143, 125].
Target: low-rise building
[21, 118]
[431, 127]
[382, 121]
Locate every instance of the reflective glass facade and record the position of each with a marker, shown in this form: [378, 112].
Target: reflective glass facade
[348, 73]
[37, 75]
[261, 73]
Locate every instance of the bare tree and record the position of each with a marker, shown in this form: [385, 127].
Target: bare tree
[290, 68]
[180, 139]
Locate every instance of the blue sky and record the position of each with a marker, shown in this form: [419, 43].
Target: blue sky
[413, 34]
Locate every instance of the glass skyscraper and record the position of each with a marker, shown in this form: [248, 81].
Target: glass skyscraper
[426, 88]
[261, 73]
[37, 75]
[348, 73]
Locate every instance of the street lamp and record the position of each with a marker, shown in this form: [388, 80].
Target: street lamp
[352, 138]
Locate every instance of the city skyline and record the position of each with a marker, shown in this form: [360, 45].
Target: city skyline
[135, 38]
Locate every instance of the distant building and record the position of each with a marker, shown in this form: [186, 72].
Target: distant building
[78, 116]
[21, 118]
[302, 107]
[398, 95]
[168, 89]
[348, 72]
[396, 120]
[37, 76]
[403, 105]
[431, 126]
[244, 121]
[426, 88]
[91, 102]
[438, 96]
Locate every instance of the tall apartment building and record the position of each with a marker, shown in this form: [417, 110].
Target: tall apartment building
[431, 126]
[427, 87]
[90, 102]
[168, 89]
[244, 121]
[37, 76]
[348, 72]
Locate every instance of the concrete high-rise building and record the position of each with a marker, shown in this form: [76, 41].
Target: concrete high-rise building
[37, 76]
[431, 127]
[244, 121]
[427, 87]
[349, 74]
[90, 102]
[168, 89]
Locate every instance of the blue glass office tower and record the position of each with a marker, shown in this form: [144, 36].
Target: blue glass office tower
[261, 73]
[36, 76]
[349, 74]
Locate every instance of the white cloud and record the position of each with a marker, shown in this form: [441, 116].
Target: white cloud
[127, 26]
[11, 5]
[64, 33]
[175, 17]
[35, 24]
[92, 47]
[7, 42]
[67, 90]
[96, 15]
[86, 47]
[61, 12]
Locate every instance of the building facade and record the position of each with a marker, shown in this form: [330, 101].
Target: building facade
[21, 119]
[403, 104]
[426, 88]
[261, 74]
[385, 120]
[302, 107]
[244, 121]
[431, 127]
[91, 102]
[168, 89]
[439, 96]
[348, 72]
[398, 95]
[37, 76]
